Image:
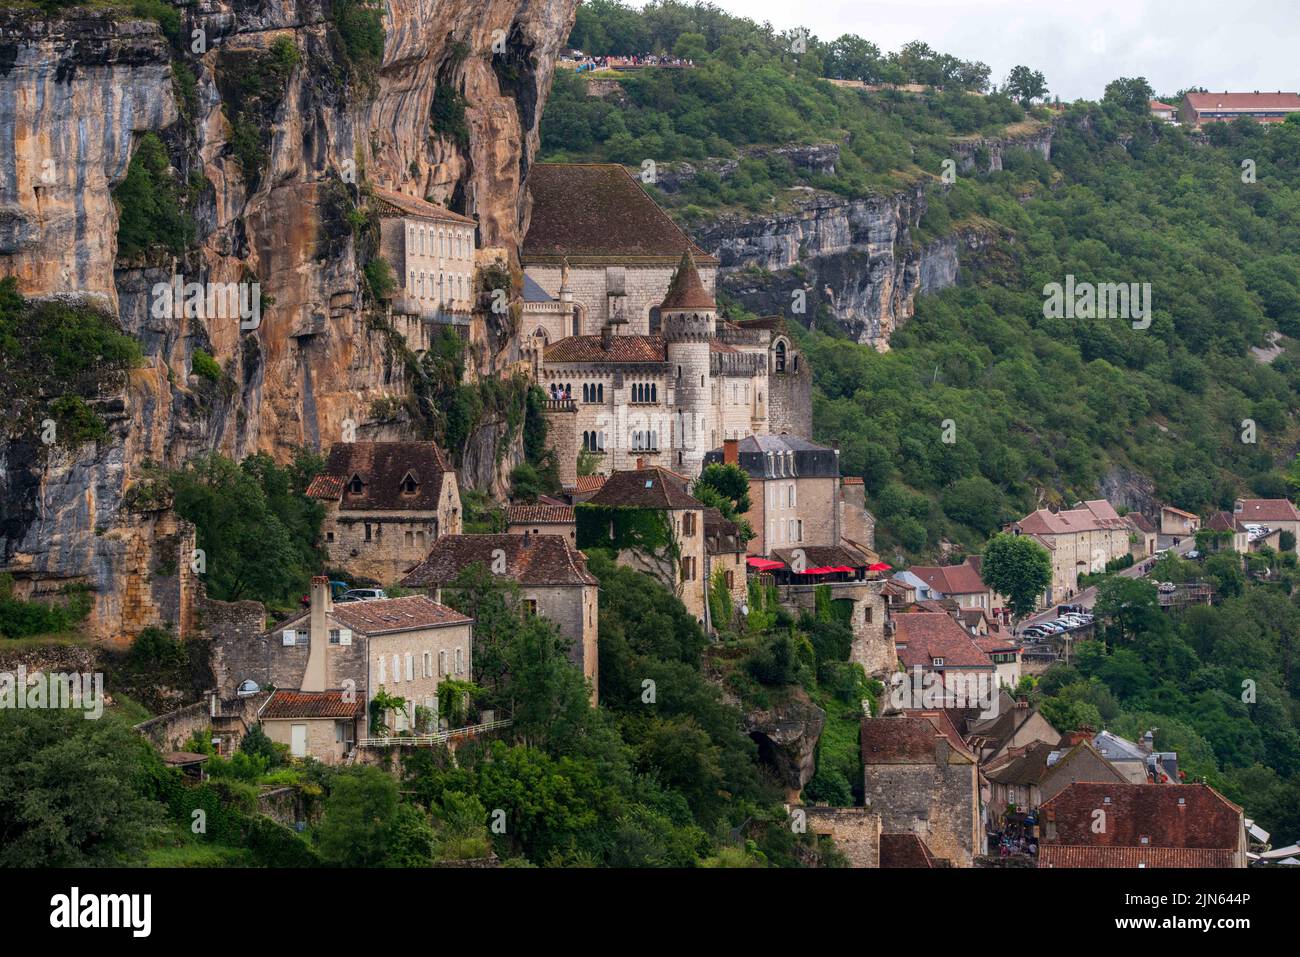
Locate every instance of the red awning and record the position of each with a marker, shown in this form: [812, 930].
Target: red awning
[843, 569]
[880, 567]
[764, 564]
[817, 571]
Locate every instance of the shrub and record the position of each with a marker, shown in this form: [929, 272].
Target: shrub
[205, 367]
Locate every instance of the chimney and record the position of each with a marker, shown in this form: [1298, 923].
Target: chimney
[313, 676]
[1022, 704]
[1238, 506]
[606, 336]
[640, 462]
[1149, 741]
[527, 538]
[730, 451]
[1081, 736]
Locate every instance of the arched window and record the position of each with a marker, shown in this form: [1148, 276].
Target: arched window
[410, 243]
[600, 392]
[420, 287]
[411, 287]
[654, 392]
[780, 355]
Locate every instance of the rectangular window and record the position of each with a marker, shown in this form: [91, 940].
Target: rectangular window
[410, 667]
[530, 606]
[397, 669]
[460, 661]
[367, 531]
[334, 636]
[382, 670]
[428, 664]
[442, 662]
[290, 637]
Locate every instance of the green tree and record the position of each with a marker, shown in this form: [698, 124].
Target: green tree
[1026, 85]
[1019, 568]
[355, 830]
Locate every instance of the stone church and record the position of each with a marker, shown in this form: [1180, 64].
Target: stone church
[622, 332]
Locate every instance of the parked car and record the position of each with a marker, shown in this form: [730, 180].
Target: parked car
[363, 594]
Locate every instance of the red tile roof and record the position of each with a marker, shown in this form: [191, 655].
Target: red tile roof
[311, 704]
[687, 292]
[1268, 510]
[923, 636]
[539, 561]
[587, 483]
[653, 487]
[382, 468]
[1243, 102]
[405, 205]
[1224, 522]
[598, 212]
[1096, 515]
[1057, 855]
[963, 579]
[390, 615]
[623, 350]
[1171, 816]
[539, 515]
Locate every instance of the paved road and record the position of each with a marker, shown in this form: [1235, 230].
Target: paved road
[1088, 597]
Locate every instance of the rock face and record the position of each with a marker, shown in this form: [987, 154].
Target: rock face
[857, 259]
[77, 91]
[787, 736]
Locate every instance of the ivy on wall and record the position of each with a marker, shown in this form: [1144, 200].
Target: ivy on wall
[619, 527]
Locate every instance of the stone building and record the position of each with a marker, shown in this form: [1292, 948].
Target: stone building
[857, 524]
[1275, 514]
[794, 491]
[329, 662]
[542, 519]
[1080, 540]
[621, 247]
[552, 577]
[1026, 777]
[724, 556]
[432, 253]
[922, 781]
[655, 526]
[385, 504]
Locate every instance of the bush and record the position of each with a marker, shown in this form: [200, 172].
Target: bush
[205, 367]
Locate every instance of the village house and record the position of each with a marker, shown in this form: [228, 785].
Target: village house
[724, 556]
[1005, 655]
[1275, 514]
[432, 254]
[1139, 762]
[1016, 725]
[330, 662]
[551, 574]
[655, 526]
[385, 504]
[1080, 540]
[962, 583]
[794, 491]
[1199, 108]
[1235, 535]
[920, 781]
[582, 488]
[935, 643]
[1143, 541]
[1144, 826]
[1164, 111]
[1177, 523]
[1023, 778]
[542, 519]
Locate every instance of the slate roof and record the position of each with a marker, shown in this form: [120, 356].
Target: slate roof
[391, 615]
[721, 536]
[534, 292]
[1181, 816]
[781, 456]
[1224, 522]
[382, 467]
[620, 350]
[1028, 767]
[395, 203]
[904, 851]
[539, 515]
[311, 704]
[963, 579]
[687, 291]
[599, 213]
[652, 487]
[540, 560]
[923, 636]
[995, 732]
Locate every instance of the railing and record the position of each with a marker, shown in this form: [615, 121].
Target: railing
[429, 740]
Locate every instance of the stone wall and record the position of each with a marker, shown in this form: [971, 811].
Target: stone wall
[855, 831]
[644, 288]
[937, 801]
[789, 406]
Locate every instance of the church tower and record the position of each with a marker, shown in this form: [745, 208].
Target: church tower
[688, 318]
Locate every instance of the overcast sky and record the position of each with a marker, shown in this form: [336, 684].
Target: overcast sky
[1080, 45]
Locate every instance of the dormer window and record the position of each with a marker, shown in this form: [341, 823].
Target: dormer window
[356, 486]
[409, 485]
[937, 662]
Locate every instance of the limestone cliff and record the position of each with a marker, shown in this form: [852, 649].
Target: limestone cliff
[77, 91]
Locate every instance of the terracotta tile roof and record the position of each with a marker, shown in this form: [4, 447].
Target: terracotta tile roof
[1057, 855]
[621, 350]
[587, 483]
[1179, 511]
[1157, 105]
[539, 515]
[1141, 522]
[992, 644]
[721, 536]
[541, 560]
[653, 487]
[900, 740]
[943, 723]
[963, 579]
[1268, 510]
[599, 212]
[1092, 516]
[904, 851]
[1243, 102]
[382, 468]
[850, 480]
[993, 733]
[687, 292]
[391, 615]
[1224, 522]
[1171, 816]
[924, 636]
[311, 704]
[403, 205]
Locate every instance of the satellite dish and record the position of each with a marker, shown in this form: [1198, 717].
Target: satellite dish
[249, 687]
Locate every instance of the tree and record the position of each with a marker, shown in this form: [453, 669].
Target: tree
[355, 829]
[1025, 85]
[1130, 608]
[1133, 94]
[1019, 568]
[731, 483]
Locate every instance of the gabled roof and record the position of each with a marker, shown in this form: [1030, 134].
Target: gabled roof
[390, 615]
[1157, 105]
[923, 636]
[652, 487]
[963, 579]
[531, 560]
[1243, 102]
[635, 350]
[394, 203]
[534, 292]
[1112, 858]
[1096, 515]
[382, 468]
[311, 704]
[904, 740]
[687, 292]
[539, 515]
[598, 213]
[721, 536]
[1224, 522]
[1181, 816]
[1268, 510]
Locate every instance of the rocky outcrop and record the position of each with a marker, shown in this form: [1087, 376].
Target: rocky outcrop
[819, 158]
[787, 734]
[76, 92]
[983, 154]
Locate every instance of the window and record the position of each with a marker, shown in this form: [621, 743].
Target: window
[428, 664]
[334, 636]
[867, 615]
[460, 661]
[688, 523]
[730, 578]
[367, 531]
[409, 485]
[383, 671]
[442, 662]
[798, 527]
[356, 486]
[397, 669]
[530, 607]
[329, 536]
[410, 667]
[792, 495]
[410, 537]
[780, 355]
[936, 662]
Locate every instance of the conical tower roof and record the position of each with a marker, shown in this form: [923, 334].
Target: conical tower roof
[687, 291]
